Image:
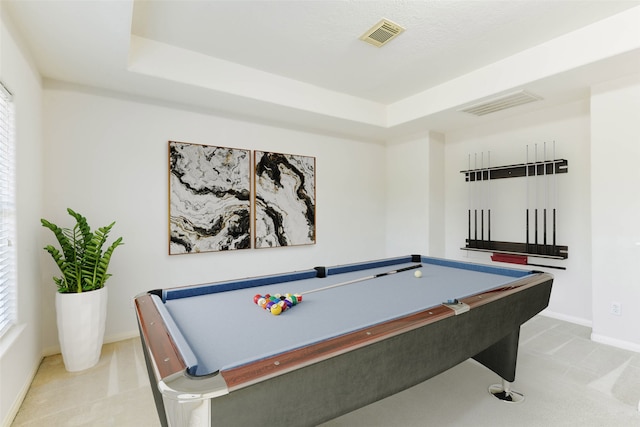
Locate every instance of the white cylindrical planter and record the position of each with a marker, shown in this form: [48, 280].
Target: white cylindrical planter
[81, 321]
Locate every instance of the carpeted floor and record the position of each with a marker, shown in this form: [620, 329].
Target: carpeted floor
[567, 380]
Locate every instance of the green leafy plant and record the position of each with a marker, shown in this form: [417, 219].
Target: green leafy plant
[82, 262]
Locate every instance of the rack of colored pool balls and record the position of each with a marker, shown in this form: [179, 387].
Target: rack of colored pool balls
[276, 304]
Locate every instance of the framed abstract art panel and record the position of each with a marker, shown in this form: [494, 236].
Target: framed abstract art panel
[285, 200]
[209, 198]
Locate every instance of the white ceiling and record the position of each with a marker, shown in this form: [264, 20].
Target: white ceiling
[301, 64]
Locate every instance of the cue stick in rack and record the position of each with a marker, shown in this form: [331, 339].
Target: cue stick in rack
[488, 199]
[482, 198]
[362, 279]
[469, 190]
[546, 195]
[557, 267]
[555, 196]
[475, 210]
[535, 205]
[527, 185]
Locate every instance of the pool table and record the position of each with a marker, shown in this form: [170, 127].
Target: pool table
[214, 357]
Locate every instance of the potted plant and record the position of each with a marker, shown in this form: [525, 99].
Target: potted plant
[81, 300]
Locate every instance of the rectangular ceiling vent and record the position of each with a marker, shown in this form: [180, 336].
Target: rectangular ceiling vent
[501, 103]
[382, 33]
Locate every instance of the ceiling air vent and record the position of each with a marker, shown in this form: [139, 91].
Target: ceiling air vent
[382, 33]
[501, 103]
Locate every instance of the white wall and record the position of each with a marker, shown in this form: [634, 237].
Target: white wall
[506, 141]
[415, 197]
[407, 202]
[107, 159]
[615, 210]
[20, 351]
[437, 196]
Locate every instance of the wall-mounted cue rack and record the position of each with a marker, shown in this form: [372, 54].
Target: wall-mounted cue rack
[540, 221]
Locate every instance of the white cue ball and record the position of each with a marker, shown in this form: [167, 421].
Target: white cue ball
[418, 273]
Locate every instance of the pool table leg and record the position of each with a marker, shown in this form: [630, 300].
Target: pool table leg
[503, 392]
[501, 358]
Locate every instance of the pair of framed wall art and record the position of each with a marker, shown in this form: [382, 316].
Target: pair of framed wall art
[213, 192]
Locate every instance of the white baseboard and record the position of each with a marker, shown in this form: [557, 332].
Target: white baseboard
[564, 317]
[614, 342]
[122, 336]
[50, 351]
[602, 339]
[17, 403]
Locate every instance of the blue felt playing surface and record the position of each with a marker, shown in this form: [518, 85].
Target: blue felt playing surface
[228, 329]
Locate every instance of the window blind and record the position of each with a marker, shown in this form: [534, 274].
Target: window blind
[7, 212]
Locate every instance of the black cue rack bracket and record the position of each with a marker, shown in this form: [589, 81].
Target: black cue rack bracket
[533, 169]
[517, 171]
[514, 248]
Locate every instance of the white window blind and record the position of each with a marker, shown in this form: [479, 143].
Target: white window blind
[7, 212]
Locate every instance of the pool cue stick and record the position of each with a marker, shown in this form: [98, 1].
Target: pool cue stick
[362, 279]
[469, 194]
[546, 196]
[489, 199]
[475, 211]
[527, 203]
[482, 198]
[555, 197]
[547, 266]
[535, 181]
